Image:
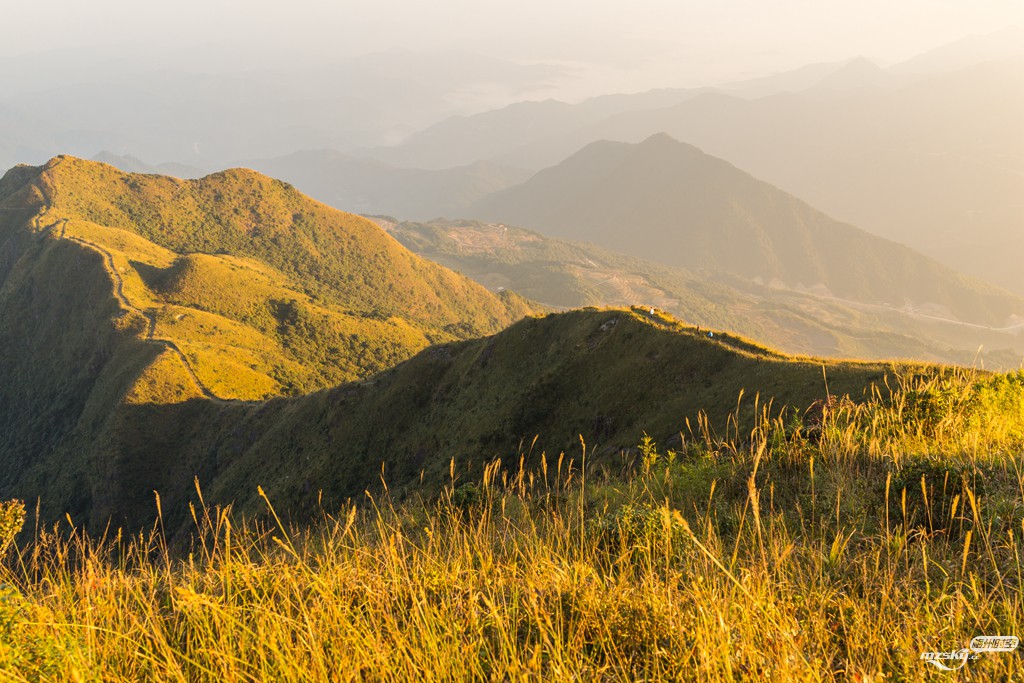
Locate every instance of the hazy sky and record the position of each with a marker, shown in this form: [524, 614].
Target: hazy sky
[645, 42]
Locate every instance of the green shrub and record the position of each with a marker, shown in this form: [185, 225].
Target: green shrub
[642, 525]
[12, 517]
[468, 495]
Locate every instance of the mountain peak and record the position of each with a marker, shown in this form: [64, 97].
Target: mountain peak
[662, 138]
[670, 202]
[667, 145]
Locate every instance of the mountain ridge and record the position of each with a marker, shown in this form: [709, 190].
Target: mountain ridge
[99, 323]
[669, 201]
[99, 416]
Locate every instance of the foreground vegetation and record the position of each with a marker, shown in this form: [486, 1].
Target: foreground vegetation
[837, 545]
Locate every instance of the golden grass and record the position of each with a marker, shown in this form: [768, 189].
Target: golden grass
[792, 553]
[235, 288]
[116, 239]
[231, 372]
[310, 296]
[164, 381]
[218, 308]
[337, 256]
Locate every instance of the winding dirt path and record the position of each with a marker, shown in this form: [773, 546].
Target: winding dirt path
[108, 259]
[111, 267]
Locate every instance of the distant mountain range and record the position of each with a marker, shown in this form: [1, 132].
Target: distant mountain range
[930, 155]
[178, 108]
[367, 186]
[130, 164]
[669, 202]
[536, 134]
[568, 274]
[928, 152]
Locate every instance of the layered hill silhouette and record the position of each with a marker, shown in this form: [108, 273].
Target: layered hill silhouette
[460, 141]
[935, 163]
[368, 186]
[520, 130]
[927, 153]
[670, 202]
[183, 111]
[131, 164]
[566, 274]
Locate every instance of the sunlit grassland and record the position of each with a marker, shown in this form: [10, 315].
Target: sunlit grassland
[163, 381]
[836, 546]
[232, 319]
[310, 296]
[322, 252]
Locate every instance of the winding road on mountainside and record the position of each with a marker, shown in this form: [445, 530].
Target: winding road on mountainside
[108, 259]
[915, 314]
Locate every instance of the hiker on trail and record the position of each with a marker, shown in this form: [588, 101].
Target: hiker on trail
[652, 312]
[711, 335]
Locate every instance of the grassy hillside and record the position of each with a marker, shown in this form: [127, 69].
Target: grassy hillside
[106, 417]
[148, 413]
[263, 290]
[327, 254]
[827, 550]
[132, 397]
[609, 375]
[68, 355]
[566, 274]
[598, 493]
[669, 202]
[124, 294]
